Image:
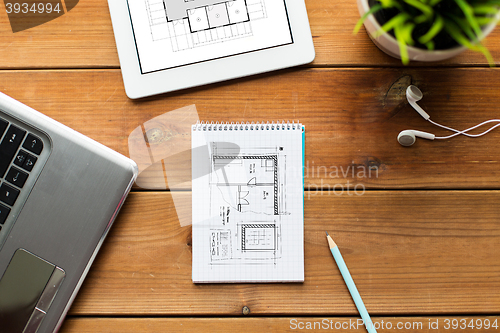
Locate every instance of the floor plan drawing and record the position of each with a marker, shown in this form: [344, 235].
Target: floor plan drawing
[250, 182]
[251, 243]
[174, 33]
[247, 189]
[220, 245]
[258, 237]
[191, 23]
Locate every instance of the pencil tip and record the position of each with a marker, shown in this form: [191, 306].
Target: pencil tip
[327, 233]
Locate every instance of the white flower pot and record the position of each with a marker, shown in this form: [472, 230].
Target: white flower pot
[387, 43]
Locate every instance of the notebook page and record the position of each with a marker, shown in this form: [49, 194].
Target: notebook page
[248, 215]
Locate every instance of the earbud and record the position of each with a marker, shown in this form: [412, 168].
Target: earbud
[408, 137]
[413, 94]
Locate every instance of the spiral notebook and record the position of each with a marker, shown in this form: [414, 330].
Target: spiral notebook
[248, 202]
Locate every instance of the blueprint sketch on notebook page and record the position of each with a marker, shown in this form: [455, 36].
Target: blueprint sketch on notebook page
[173, 33]
[248, 206]
[247, 191]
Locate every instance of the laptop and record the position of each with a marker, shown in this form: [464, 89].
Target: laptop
[59, 195]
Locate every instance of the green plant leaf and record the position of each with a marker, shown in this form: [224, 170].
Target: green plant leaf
[461, 24]
[421, 19]
[436, 27]
[455, 30]
[425, 9]
[403, 49]
[372, 10]
[392, 23]
[483, 9]
[407, 31]
[457, 35]
[469, 15]
[486, 54]
[433, 3]
[390, 4]
[430, 45]
[482, 21]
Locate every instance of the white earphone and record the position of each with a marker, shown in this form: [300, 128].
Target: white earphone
[408, 137]
[413, 95]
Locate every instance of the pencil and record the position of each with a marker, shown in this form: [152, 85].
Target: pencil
[350, 285]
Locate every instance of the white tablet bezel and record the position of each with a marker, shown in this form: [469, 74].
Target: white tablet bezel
[138, 85]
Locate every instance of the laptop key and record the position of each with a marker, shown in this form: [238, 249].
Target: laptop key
[8, 147]
[33, 144]
[3, 126]
[20, 158]
[4, 212]
[25, 160]
[16, 177]
[29, 162]
[8, 194]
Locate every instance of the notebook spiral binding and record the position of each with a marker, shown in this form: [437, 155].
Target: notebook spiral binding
[258, 126]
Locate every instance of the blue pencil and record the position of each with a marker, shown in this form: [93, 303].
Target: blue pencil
[350, 285]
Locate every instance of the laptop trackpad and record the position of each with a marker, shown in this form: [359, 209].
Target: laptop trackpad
[27, 289]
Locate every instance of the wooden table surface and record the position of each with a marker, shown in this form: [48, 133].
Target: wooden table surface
[421, 240]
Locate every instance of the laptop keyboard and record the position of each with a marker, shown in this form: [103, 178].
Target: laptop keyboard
[19, 152]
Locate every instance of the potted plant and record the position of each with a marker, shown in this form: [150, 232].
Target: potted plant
[429, 30]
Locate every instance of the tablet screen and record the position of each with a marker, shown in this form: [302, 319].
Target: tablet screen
[174, 33]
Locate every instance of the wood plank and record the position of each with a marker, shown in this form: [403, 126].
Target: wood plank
[409, 252]
[309, 324]
[83, 38]
[352, 118]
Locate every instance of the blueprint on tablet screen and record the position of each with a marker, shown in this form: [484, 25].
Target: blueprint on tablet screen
[173, 33]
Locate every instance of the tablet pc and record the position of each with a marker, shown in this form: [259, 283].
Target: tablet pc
[167, 45]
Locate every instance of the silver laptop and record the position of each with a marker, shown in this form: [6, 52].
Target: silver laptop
[59, 195]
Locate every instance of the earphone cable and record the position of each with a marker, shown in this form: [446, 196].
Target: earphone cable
[464, 132]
